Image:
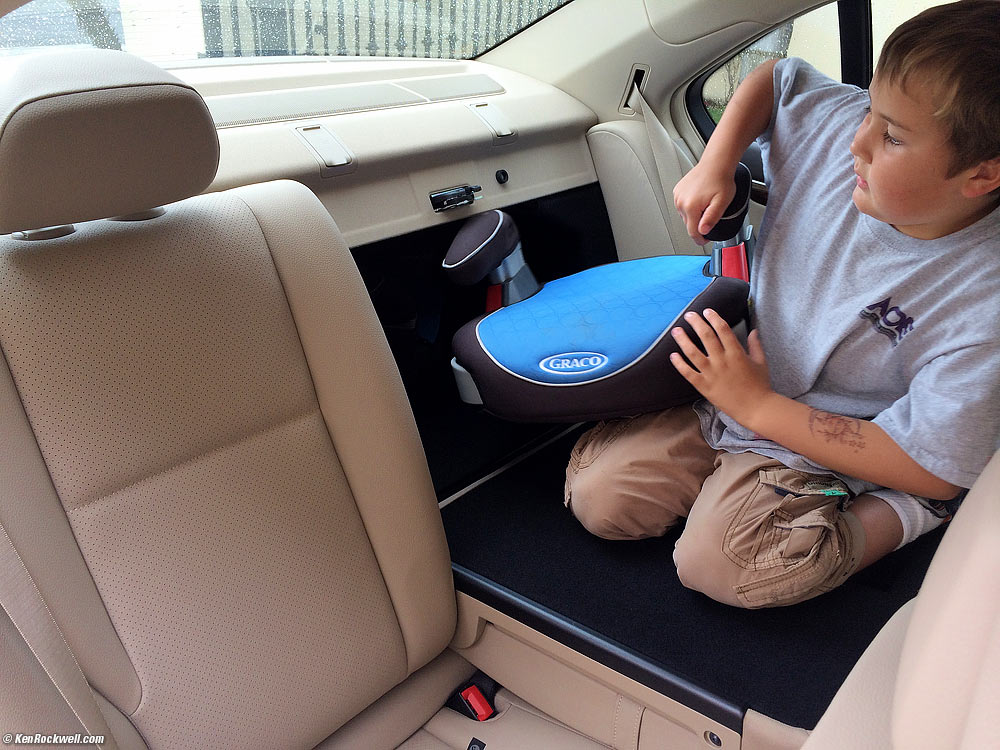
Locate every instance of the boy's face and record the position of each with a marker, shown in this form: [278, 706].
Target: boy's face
[901, 158]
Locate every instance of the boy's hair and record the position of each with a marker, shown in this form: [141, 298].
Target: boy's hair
[956, 49]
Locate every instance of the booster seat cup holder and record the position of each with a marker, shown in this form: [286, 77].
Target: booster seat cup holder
[596, 344]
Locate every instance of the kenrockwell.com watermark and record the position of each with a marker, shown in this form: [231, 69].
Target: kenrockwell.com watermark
[18, 738]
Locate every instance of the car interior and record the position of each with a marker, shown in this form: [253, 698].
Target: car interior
[243, 501]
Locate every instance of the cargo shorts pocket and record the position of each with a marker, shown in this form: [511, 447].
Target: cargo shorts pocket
[790, 538]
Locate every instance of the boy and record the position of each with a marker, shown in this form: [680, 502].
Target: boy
[870, 394]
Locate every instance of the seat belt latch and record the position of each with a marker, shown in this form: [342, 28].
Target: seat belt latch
[475, 698]
[476, 702]
[734, 262]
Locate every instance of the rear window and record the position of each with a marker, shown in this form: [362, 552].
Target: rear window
[194, 29]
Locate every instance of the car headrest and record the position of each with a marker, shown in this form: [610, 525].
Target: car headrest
[89, 134]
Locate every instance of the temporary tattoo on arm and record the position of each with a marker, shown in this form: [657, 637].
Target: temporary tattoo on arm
[835, 428]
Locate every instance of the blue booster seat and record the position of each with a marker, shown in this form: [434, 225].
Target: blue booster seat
[596, 344]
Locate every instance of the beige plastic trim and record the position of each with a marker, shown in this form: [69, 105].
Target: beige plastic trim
[583, 694]
[515, 725]
[241, 76]
[274, 106]
[233, 110]
[593, 63]
[402, 154]
[404, 709]
[761, 732]
[683, 21]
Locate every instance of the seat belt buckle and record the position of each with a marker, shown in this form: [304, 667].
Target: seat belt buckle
[732, 257]
[734, 262]
[476, 698]
[729, 260]
[477, 704]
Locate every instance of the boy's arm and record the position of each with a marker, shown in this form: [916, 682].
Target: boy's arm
[738, 384]
[847, 445]
[702, 194]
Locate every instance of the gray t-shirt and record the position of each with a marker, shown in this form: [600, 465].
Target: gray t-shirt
[859, 319]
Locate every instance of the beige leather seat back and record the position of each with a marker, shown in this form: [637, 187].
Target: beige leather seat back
[931, 678]
[948, 687]
[210, 468]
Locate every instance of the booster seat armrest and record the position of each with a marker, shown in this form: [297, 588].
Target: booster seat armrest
[731, 223]
[480, 247]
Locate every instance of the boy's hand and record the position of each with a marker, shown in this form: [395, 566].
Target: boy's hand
[738, 384]
[733, 380]
[701, 197]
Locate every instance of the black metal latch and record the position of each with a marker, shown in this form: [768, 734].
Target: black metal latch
[464, 195]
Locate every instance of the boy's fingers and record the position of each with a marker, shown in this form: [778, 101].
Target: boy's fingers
[690, 220]
[691, 210]
[685, 219]
[722, 329]
[709, 340]
[712, 214]
[692, 352]
[686, 371]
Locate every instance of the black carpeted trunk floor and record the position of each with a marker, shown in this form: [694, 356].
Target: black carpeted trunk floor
[786, 663]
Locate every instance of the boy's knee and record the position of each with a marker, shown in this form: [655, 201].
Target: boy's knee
[703, 567]
[600, 519]
[608, 510]
[597, 505]
[809, 556]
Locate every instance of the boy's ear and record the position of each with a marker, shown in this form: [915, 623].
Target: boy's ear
[983, 179]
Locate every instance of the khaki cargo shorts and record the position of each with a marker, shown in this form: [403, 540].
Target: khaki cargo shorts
[758, 534]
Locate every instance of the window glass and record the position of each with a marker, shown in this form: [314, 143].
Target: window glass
[192, 29]
[814, 36]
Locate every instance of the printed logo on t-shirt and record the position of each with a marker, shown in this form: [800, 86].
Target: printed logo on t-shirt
[888, 320]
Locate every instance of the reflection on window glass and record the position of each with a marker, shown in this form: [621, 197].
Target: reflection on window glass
[191, 29]
[814, 37]
[51, 23]
[721, 85]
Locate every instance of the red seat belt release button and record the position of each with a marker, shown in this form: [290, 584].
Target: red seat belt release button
[477, 702]
[734, 262]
